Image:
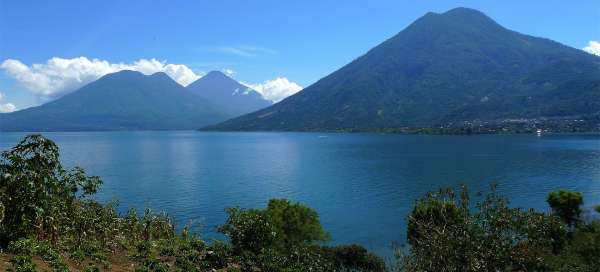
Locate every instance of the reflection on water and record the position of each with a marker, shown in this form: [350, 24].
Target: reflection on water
[362, 185]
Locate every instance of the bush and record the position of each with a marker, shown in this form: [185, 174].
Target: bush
[23, 263]
[285, 236]
[24, 249]
[354, 258]
[436, 211]
[36, 191]
[248, 230]
[46, 213]
[448, 234]
[294, 224]
[566, 205]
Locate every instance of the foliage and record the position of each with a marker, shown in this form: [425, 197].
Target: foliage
[353, 258]
[294, 224]
[49, 217]
[23, 263]
[284, 237]
[24, 249]
[566, 205]
[282, 225]
[434, 212]
[248, 230]
[36, 191]
[447, 233]
[581, 252]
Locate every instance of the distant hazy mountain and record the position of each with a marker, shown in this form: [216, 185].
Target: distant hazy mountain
[124, 100]
[443, 68]
[227, 94]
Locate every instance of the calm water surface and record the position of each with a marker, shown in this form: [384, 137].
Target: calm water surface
[362, 185]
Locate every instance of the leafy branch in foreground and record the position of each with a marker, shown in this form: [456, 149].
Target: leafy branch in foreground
[36, 192]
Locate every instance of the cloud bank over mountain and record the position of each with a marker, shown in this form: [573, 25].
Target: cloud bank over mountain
[6, 107]
[593, 47]
[59, 76]
[276, 89]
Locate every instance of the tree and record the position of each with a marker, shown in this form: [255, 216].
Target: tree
[566, 205]
[36, 192]
[294, 224]
[354, 258]
[249, 230]
[437, 211]
[45, 214]
[280, 237]
[447, 233]
[282, 226]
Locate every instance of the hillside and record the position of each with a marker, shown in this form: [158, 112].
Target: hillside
[125, 100]
[227, 94]
[443, 69]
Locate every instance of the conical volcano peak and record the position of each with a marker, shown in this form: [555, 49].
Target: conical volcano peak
[159, 74]
[461, 18]
[462, 11]
[123, 74]
[228, 94]
[217, 74]
[215, 78]
[443, 69]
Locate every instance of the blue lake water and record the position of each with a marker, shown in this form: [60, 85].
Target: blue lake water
[362, 185]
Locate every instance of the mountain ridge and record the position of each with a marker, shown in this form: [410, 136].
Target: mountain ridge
[125, 100]
[228, 94]
[443, 68]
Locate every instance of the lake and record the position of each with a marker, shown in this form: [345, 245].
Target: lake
[362, 185]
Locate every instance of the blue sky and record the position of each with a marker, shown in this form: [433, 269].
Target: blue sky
[299, 41]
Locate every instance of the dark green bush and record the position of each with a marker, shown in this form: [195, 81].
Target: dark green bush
[294, 224]
[36, 192]
[566, 205]
[249, 230]
[447, 233]
[354, 258]
[23, 263]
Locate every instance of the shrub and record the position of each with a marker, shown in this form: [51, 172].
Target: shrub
[354, 258]
[449, 234]
[249, 230]
[24, 249]
[294, 224]
[566, 205]
[46, 212]
[36, 191]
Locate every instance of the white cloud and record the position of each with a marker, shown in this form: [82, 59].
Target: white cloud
[276, 89]
[59, 76]
[6, 107]
[228, 72]
[593, 47]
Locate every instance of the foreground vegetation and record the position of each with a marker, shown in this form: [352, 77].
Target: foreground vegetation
[49, 222]
[446, 232]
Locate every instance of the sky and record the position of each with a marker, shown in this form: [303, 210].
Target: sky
[51, 48]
